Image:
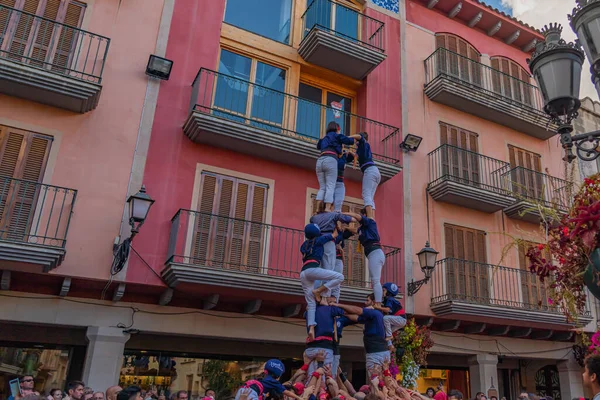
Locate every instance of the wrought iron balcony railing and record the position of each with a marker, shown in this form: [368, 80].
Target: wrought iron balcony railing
[451, 163]
[448, 64]
[537, 187]
[35, 213]
[210, 241]
[345, 22]
[46, 44]
[455, 280]
[289, 116]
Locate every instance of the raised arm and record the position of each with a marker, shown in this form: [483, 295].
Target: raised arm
[356, 216]
[349, 309]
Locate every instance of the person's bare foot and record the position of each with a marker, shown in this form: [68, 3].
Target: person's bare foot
[317, 294]
[391, 348]
[311, 333]
[324, 301]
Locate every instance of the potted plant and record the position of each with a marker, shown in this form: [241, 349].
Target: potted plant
[413, 344]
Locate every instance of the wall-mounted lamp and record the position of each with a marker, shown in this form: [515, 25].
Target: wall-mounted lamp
[427, 259]
[159, 67]
[411, 142]
[139, 206]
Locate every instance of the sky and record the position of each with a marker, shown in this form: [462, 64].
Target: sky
[538, 13]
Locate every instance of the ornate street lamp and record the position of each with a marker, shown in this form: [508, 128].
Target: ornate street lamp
[585, 22]
[556, 67]
[139, 206]
[427, 258]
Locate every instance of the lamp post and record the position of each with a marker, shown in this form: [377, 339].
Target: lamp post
[427, 258]
[556, 67]
[139, 206]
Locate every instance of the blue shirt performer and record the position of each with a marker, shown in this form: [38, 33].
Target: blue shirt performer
[330, 147]
[312, 254]
[368, 236]
[377, 353]
[269, 386]
[394, 315]
[371, 175]
[324, 340]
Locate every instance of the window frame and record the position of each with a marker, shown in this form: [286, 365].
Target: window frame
[254, 60]
[293, 24]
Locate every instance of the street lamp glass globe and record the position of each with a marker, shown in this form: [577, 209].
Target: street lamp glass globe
[556, 67]
[427, 259]
[585, 22]
[139, 205]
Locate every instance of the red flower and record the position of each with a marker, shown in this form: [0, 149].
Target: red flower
[540, 246]
[565, 231]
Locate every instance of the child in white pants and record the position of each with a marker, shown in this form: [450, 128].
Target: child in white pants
[394, 315]
[312, 253]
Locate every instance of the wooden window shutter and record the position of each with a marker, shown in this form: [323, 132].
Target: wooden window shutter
[23, 156]
[67, 38]
[20, 29]
[458, 64]
[527, 181]
[463, 165]
[534, 293]
[5, 15]
[229, 230]
[466, 271]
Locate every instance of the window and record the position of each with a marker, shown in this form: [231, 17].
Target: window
[459, 162]
[460, 60]
[317, 107]
[511, 80]
[527, 181]
[331, 16]
[230, 229]
[23, 157]
[250, 91]
[466, 268]
[268, 18]
[534, 293]
[354, 265]
[41, 42]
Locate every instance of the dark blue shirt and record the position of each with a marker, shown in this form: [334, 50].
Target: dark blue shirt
[333, 142]
[363, 151]
[393, 304]
[325, 318]
[368, 234]
[313, 249]
[374, 331]
[342, 161]
[272, 387]
[340, 239]
[341, 323]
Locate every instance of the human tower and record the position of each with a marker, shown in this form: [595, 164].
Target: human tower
[321, 277]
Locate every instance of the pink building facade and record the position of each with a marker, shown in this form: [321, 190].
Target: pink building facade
[226, 148]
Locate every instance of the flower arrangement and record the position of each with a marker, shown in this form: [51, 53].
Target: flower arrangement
[566, 255]
[416, 342]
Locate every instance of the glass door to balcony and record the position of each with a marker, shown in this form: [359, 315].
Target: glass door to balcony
[229, 230]
[333, 17]
[249, 91]
[459, 159]
[317, 107]
[467, 275]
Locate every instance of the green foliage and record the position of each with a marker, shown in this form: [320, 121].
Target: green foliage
[221, 378]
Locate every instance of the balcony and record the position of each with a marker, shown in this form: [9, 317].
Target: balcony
[247, 118]
[468, 179]
[537, 195]
[206, 249]
[341, 39]
[474, 290]
[34, 221]
[477, 89]
[51, 63]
